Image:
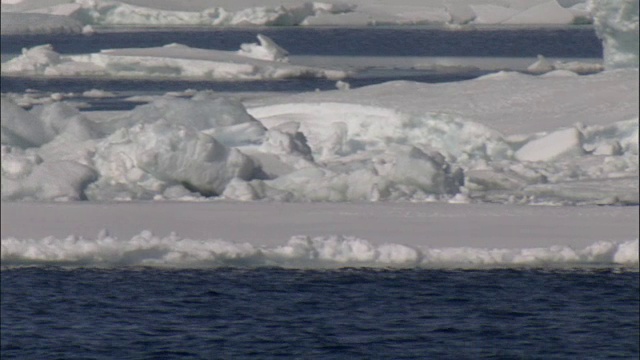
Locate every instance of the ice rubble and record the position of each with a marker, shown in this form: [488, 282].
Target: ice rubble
[616, 22]
[563, 68]
[262, 61]
[365, 144]
[146, 249]
[286, 13]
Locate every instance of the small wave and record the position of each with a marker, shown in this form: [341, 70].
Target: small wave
[337, 251]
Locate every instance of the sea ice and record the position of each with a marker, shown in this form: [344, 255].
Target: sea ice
[507, 138]
[264, 61]
[616, 22]
[336, 251]
[267, 49]
[33, 23]
[565, 142]
[544, 142]
[68, 15]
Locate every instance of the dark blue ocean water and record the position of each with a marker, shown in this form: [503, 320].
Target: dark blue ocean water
[574, 42]
[55, 313]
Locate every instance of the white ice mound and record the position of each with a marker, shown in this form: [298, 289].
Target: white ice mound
[267, 49]
[562, 68]
[26, 177]
[335, 129]
[542, 65]
[202, 112]
[172, 142]
[616, 23]
[149, 158]
[304, 252]
[21, 128]
[255, 62]
[514, 139]
[401, 173]
[34, 60]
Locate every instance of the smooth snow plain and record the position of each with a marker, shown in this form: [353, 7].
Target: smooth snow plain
[392, 155]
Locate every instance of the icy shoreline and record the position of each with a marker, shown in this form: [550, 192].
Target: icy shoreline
[396, 235]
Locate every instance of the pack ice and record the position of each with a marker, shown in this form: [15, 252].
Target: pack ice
[506, 137]
[77, 15]
[265, 60]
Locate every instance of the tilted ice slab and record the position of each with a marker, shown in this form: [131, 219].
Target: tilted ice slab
[321, 235]
[288, 13]
[262, 61]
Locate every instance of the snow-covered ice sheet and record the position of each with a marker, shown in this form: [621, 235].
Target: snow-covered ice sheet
[509, 102]
[254, 61]
[402, 150]
[318, 235]
[292, 12]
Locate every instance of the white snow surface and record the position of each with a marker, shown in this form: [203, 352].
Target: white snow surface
[263, 61]
[382, 235]
[290, 12]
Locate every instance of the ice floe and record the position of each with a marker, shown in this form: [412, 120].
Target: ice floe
[284, 13]
[335, 251]
[262, 61]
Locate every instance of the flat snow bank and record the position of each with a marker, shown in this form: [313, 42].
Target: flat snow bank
[318, 235]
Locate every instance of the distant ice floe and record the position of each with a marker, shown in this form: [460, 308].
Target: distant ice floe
[285, 13]
[262, 61]
[303, 252]
[507, 138]
[33, 23]
[563, 68]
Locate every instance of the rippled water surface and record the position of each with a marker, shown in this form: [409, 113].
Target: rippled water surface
[350, 313]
